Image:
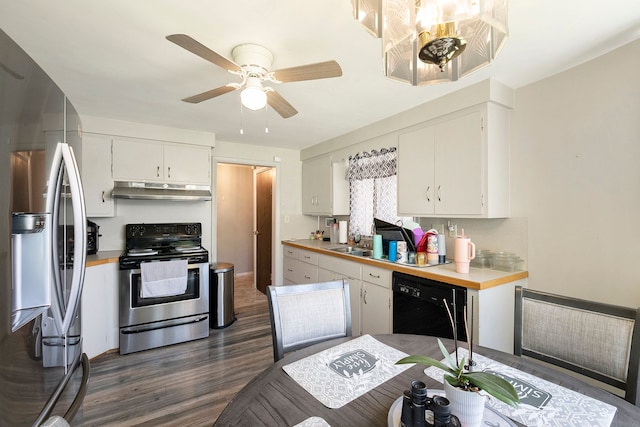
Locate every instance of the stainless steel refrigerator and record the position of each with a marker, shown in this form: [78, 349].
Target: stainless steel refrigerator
[43, 371]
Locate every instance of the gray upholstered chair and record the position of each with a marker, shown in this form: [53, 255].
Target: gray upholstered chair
[597, 340]
[302, 315]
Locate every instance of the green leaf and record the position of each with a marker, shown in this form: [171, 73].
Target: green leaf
[495, 386]
[446, 354]
[428, 361]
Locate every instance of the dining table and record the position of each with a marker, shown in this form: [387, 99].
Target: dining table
[274, 398]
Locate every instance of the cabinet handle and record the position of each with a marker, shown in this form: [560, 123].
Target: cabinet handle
[169, 172]
[364, 297]
[307, 277]
[158, 172]
[102, 196]
[374, 276]
[439, 198]
[428, 190]
[289, 270]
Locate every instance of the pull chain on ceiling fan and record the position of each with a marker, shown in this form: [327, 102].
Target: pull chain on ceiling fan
[253, 64]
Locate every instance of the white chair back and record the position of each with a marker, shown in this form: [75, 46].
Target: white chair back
[598, 340]
[306, 314]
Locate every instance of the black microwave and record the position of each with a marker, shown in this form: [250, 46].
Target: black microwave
[93, 235]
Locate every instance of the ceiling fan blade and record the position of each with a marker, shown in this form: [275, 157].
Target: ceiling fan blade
[278, 103]
[202, 51]
[209, 94]
[320, 70]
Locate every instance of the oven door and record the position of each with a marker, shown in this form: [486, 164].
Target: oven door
[136, 310]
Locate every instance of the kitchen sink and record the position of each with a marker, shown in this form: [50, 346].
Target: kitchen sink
[352, 250]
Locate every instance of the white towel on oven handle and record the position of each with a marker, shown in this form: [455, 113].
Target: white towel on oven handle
[163, 278]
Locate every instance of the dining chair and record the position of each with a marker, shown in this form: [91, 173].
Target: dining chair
[306, 314]
[594, 339]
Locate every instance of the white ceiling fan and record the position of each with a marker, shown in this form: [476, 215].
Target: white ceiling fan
[253, 64]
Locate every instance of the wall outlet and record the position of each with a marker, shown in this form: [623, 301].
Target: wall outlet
[453, 230]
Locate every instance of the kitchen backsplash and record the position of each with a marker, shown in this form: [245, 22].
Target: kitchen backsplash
[504, 234]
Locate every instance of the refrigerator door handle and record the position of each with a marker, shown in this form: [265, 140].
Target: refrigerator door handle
[45, 414]
[63, 158]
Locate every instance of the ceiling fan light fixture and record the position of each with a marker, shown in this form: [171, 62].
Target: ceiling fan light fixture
[434, 41]
[253, 95]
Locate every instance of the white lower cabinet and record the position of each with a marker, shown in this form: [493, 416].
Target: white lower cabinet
[300, 266]
[370, 289]
[99, 312]
[377, 298]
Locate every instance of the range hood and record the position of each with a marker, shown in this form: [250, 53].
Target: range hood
[160, 191]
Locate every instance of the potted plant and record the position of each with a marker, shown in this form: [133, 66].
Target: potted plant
[462, 386]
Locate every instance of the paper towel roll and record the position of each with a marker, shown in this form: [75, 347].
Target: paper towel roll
[343, 232]
[377, 246]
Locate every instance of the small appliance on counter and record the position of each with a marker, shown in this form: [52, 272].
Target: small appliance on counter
[93, 237]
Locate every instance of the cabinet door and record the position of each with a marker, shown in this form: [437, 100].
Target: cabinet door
[316, 186]
[187, 164]
[99, 313]
[96, 175]
[376, 309]
[297, 271]
[137, 160]
[416, 190]
[458, 166]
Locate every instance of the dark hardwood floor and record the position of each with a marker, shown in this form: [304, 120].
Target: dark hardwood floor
[187, 384]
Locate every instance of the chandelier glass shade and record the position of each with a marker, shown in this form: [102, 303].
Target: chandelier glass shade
[434, 41]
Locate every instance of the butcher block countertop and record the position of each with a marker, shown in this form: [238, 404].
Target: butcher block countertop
[478, 278]
[103, 257]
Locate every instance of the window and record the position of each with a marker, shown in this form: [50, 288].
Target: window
[373, 188]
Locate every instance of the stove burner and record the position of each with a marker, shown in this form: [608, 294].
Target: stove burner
[160, 242]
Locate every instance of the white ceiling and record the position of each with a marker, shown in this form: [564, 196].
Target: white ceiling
[112, 60]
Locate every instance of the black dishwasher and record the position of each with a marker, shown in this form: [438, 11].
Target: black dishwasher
[419, 307]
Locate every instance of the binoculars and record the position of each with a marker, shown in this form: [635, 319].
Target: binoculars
[415, 403]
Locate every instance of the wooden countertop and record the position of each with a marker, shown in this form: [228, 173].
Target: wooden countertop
[103, 257]
[478, 278]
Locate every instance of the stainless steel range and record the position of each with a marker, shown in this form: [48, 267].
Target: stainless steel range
[164, 286]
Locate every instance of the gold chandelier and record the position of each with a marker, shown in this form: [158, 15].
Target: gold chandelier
[423, 41]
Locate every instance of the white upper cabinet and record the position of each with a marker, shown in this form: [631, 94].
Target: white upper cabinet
[187, 163]
[325, 190]
[152, 161]
[456, 166]
[96, 175]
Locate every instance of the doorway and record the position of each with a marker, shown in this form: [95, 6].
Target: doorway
[263, 229]
[244, 225]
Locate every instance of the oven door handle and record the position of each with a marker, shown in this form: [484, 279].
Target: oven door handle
[170, 324]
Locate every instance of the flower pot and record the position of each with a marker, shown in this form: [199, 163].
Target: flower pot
[468, 406]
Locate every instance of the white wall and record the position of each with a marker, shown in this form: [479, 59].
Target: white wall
[235, 207]
[575, 151]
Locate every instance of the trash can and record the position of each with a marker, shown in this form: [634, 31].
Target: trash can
[221, 307]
